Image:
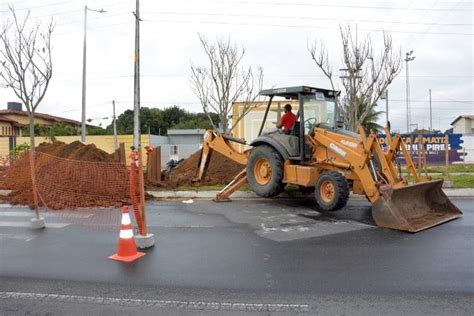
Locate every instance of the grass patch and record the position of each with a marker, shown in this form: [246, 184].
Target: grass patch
[464, 181]
[442, 169]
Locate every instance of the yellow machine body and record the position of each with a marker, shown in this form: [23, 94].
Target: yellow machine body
[336, 159]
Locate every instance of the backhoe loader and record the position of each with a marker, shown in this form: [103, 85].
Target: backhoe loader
[320, 156]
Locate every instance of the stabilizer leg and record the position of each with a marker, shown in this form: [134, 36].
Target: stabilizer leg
[234, 185]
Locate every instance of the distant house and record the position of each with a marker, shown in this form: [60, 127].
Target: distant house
[179, 144]
[14, 119]
[18, 118]
[463, 124]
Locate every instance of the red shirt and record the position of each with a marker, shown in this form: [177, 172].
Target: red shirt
[288, 121]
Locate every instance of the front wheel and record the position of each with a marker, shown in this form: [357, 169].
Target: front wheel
[265, 171]
[332, 191]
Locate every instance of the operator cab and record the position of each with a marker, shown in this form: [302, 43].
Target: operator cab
[316, 108]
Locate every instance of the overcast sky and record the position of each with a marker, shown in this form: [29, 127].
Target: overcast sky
[275, 35]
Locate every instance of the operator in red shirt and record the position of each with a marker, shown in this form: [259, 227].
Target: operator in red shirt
[287, 120]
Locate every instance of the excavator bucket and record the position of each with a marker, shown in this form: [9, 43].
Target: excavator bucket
[414, 208]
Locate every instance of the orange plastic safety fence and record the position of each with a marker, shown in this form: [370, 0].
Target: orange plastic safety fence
[68, 184]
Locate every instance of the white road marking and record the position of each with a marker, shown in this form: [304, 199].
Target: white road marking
[28, 224]
[16, 236]
[193, 305]
[43, 214]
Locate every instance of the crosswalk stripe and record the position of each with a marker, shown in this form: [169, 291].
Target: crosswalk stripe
[16, 237]
[30, 213]
[28, 224]
[189, 305]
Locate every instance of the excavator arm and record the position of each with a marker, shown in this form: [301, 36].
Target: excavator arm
[223, 145]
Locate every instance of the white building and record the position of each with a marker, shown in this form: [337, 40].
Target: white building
[464, 124]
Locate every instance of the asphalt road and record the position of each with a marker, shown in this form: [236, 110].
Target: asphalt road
[245, 257]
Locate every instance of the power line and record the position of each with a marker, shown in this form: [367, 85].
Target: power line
[437, 101]
[342, 6]
[97, 18]
[443, 16]
[130, 102]
[304, 18]
[38, 6]
[302, 26]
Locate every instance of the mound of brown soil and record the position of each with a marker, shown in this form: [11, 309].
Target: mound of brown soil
[76, 151]
[17, 177]
[221, 170]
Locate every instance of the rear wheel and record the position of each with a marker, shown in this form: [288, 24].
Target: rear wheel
[265, 171]
[332, 191]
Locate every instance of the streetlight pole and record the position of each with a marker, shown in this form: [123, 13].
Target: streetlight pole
[431, 116]
[385, 96]
[84, 63]
[115, 126]
[408, 58]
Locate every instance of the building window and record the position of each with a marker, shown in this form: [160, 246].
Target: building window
[3, 130]
[173, 149]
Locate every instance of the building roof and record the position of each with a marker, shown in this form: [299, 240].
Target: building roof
[197, 131]
[13, 122]
[468, 117]
[40, 115]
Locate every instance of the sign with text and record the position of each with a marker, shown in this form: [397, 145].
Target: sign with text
[434, 145]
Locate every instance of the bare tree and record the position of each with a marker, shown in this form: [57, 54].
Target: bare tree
[26, 68]
[365, 76]
[224, 82]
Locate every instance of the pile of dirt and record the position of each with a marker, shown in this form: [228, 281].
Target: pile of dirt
[75, 151]
[17, 177]
[221, 170]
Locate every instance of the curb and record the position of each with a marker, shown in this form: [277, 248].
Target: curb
[243, 195]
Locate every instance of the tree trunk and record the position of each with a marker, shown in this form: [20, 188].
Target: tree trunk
[32, 162]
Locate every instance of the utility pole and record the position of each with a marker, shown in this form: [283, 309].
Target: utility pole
[136, 82]
[83, 121]
[144, 239]
[408, 59]
[115, 125]
[431, 115]
[385, 96]
[386, 109]
[84, 66]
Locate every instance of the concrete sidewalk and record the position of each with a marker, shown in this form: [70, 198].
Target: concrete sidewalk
[245, 195]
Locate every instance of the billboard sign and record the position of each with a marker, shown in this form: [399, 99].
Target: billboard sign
[434, 145]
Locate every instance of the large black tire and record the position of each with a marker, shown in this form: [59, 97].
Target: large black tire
[331, 192]
[269, 181]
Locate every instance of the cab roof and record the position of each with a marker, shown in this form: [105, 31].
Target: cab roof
[293, 92]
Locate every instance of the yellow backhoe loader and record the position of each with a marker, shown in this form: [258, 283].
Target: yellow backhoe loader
[331, 161]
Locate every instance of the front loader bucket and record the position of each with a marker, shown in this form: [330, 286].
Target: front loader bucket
[414, 208]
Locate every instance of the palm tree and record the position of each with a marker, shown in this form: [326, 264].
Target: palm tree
[370, 121]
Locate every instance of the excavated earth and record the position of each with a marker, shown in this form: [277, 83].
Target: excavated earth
[17, 177]
[221, 170]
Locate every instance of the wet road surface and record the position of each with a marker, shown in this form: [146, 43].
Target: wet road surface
[251, 257]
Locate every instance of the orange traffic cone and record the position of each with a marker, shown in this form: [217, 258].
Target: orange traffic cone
[127, 249]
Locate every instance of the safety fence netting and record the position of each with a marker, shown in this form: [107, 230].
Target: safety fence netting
[83, 192]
